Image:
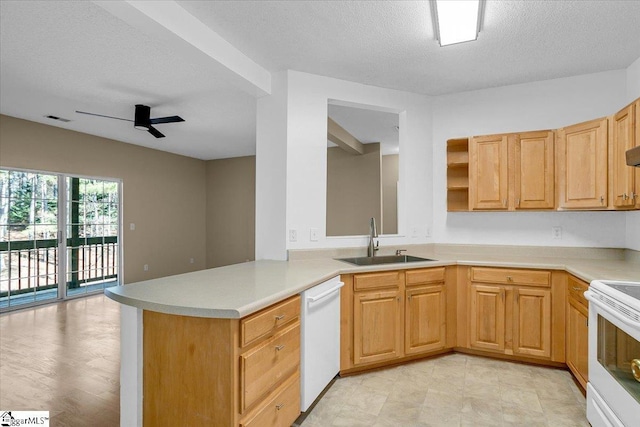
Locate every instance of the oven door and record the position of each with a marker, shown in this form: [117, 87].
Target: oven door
[614, 365]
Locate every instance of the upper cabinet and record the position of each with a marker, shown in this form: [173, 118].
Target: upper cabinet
[488, 172]
[534, 170]
[578, 167]
[623, 132]
[582, 165]
[512, 171]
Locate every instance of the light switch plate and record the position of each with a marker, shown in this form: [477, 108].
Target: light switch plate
[313, 234]
[293, 235]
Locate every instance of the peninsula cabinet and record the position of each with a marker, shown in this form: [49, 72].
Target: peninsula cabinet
[582, 169]
[577, 330]
[510, 311]
[391, 316]
[223, 372]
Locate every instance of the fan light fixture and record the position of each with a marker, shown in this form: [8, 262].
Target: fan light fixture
[456, 21]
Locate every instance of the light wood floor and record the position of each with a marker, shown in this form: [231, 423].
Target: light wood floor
[63, 358]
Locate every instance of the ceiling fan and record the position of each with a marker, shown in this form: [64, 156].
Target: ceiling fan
[142, 119]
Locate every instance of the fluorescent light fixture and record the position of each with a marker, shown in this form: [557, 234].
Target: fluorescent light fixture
[456, 21]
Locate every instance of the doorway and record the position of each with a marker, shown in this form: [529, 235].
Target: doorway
[59, 236]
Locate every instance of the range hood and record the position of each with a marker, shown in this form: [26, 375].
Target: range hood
[633, 157]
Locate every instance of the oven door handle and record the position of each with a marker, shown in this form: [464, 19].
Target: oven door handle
[624, 319]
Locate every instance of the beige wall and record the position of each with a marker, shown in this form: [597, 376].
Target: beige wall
[389, 194]
[353, 190]
[163, 194]
[231, 204]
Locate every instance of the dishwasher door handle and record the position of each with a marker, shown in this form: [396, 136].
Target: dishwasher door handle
[325, 293]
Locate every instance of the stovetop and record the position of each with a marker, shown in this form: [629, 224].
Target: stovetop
[627, 293]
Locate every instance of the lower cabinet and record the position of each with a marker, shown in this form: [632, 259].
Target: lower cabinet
[577, 330]
[223, 372]
[387, 316]
[377, 326]
[510, 311]
[486, 317]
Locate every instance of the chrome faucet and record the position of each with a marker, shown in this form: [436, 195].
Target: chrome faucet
[373, 233]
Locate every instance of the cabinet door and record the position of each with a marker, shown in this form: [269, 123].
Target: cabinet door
[636, 193]
[577, 341]
[487, 316]
[534, 170]
[582, 165]
[425, 319]
[532, 322]
[378, 325]
[488, 176]
[623, 175]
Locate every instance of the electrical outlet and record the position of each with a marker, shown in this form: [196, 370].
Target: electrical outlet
[191, 260]
[313, 234]
[556, 232]
[414, 232]
[132, 226]
[428, 231]
[146, 267]
[293, 235]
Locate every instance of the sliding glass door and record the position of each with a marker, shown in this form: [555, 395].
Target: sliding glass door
[36, 211]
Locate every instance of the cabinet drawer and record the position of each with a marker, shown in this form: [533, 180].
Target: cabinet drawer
[279, 411]
[388, 279]
[418, 277]
[511, 277]
[576, 289]
[261, 368]
[267, 321]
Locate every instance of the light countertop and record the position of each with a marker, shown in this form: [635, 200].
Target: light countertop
[238, 290]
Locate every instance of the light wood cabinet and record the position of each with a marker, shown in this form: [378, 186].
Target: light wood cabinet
[487, 317]
[458, 174]
[510, 311]
[623, 139]
[577, 330]
[488, 172]
[393, 315]
[532, 322]
[534, 170]
[637, 144]
[223, 372]
[377, 326]
[425, 311]
[512, 171]
[582, 157]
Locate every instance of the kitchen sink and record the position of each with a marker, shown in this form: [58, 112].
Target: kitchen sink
[389, 259]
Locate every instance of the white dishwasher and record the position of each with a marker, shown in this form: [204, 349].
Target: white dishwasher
[319, 339]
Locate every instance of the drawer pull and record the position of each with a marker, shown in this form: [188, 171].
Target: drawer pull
[280, 406]
[575, 288]
[280, 317]
[279, 347]
[509, 279]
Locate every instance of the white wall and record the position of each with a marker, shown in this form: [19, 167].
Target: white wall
[271, 167]
[539, 105]
[306, 157]
[633, 218]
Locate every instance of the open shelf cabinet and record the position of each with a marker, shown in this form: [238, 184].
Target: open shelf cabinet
[458, 174]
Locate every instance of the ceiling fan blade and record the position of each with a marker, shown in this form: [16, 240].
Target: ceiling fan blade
[155, 132]
[170, 119]
[102, 115]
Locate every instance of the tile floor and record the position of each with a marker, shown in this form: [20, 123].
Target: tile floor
[65, 358]
[453, 390]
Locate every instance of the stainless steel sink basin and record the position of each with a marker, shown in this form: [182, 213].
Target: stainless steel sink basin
[389, 259]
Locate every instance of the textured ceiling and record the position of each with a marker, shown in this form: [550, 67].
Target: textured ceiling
[391, 43]
[60, 56]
